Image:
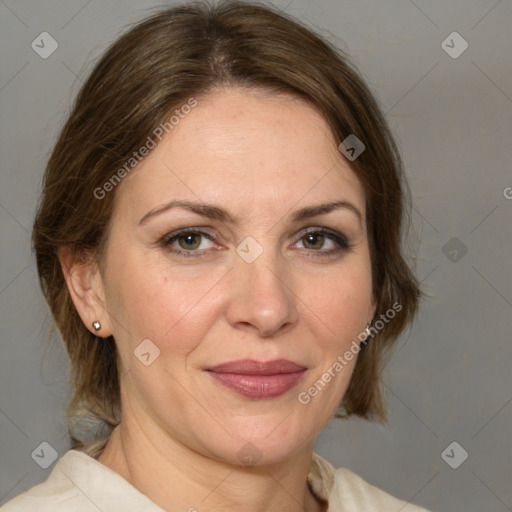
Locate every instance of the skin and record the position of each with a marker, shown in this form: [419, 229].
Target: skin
[261, 156]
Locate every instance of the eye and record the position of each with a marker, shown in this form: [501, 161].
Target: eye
[324, 241]
[188, 241]
[191, 242]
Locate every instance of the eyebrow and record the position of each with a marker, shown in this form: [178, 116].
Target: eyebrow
[215, 212]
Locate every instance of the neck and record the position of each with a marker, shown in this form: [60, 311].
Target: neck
[178, 478]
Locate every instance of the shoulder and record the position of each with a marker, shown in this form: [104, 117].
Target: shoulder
[56, 493]
[356, 491]
[348, 492]
[80, 483]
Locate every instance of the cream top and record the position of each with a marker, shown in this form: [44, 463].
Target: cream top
[80, 483]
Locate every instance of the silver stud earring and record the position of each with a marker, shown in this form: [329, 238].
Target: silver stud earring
[96, 325]
[368, 333]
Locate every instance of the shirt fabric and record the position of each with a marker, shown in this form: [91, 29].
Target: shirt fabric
[80, 483]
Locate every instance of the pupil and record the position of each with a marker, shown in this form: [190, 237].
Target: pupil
[311, 238]
[189, 241]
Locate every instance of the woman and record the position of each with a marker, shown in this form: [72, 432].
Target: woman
[219, 242]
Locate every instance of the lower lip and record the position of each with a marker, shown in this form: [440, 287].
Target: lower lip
[259, 386]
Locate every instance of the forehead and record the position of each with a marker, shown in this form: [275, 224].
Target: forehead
[252, 150]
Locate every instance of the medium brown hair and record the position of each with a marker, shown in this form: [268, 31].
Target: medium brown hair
[188, 51]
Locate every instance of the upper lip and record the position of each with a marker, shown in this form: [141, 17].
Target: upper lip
[252, 367]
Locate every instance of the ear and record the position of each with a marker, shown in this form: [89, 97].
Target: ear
[86, 288]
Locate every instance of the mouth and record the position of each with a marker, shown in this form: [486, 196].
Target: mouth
[256, 379]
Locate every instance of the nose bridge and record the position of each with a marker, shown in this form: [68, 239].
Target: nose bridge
[262, 295]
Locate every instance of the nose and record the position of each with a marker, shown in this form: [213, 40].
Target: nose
[262, 298]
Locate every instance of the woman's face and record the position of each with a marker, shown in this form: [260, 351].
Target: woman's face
[244, 277]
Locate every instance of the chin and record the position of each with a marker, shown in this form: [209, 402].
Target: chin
[266, 440]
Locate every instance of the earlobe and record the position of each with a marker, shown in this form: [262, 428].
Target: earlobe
[85, 286]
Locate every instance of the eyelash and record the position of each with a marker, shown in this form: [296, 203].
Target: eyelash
[338, 238]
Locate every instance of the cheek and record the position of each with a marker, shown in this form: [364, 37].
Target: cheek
[338, 314]
[149, 300]
[341, 302]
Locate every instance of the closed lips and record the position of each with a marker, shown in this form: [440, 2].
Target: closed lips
[258, 380]
[252, 367]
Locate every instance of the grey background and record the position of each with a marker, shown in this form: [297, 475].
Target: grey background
[449, 380]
